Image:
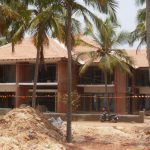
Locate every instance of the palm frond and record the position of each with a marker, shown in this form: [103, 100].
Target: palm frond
[7, 11]
[108, 7]
[121, 38]
[141, 15]
[92, 56]
[140, 2]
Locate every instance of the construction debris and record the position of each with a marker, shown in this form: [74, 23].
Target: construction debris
[56, 122]
[25, 128]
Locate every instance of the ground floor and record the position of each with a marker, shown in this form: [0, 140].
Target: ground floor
[87, 102]
[132, 103]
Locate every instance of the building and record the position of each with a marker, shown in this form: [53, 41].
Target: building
[126, 94]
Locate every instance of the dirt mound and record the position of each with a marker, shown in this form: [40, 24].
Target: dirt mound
[25, 128]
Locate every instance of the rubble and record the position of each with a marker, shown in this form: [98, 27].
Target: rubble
[56, 122]
[26, 128]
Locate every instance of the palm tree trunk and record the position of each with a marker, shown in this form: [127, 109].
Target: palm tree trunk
[35, 78]
[106, 91]
[69, 48]
[148, 32]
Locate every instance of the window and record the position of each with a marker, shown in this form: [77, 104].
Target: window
[142, 78]
[94, 75]
[47, 73]
[95, 102]
[7, 73]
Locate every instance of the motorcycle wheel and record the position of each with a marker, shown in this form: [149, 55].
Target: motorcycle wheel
[114, 120]
[102, 120]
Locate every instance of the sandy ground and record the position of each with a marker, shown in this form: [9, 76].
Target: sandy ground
[110, 136]
[27, 129]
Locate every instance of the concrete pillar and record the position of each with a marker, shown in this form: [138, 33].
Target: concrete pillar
[62, 85]
[120, 91]
[22, 73]
[141, 115]
[62, 78]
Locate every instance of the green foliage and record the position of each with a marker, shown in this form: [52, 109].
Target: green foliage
[139, 33]
[3, 41]
[140, 2]
[107, 57]
[75, 100]
[14, 18]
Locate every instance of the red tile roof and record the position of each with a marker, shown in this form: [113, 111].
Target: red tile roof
[140, 58]
[91, 46]
[26, 51]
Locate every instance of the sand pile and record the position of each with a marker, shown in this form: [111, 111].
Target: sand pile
[25, 128]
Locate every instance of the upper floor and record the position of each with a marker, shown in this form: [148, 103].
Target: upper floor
[49, 73]
[8, 73]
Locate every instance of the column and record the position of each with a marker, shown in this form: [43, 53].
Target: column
[22, 73]
[62, 85]
[120, 91]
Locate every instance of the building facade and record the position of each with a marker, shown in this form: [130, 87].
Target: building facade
[126, 94]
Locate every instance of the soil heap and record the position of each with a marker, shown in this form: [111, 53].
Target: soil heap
[27, 129]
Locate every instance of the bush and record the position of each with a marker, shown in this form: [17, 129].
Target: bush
[75, 100]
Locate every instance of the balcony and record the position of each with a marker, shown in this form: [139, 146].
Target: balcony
[38, 84]
[7, 87]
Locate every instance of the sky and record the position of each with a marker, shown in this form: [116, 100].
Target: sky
[126, 14]
[127, 18]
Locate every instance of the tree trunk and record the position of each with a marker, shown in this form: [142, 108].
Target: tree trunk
[106, 91]
[35, 78]
[148, 32]
[69, 48]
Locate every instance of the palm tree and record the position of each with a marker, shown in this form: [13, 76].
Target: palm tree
[47, 21]
[14, 18]
[106, 57]
[72, 7]
[139, 34]
[142, 31]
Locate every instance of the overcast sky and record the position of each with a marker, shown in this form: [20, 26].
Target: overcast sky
[127, 14]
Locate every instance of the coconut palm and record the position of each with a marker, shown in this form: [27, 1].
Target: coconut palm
[7, 12]
[72, 7]
[14, 18]
[142, 31]
[47, 20]
[107, 58]
[139, 34]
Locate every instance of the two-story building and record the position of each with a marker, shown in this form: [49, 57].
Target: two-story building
[125, 94]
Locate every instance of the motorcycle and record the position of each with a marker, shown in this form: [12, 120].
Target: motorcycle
[109, 117]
